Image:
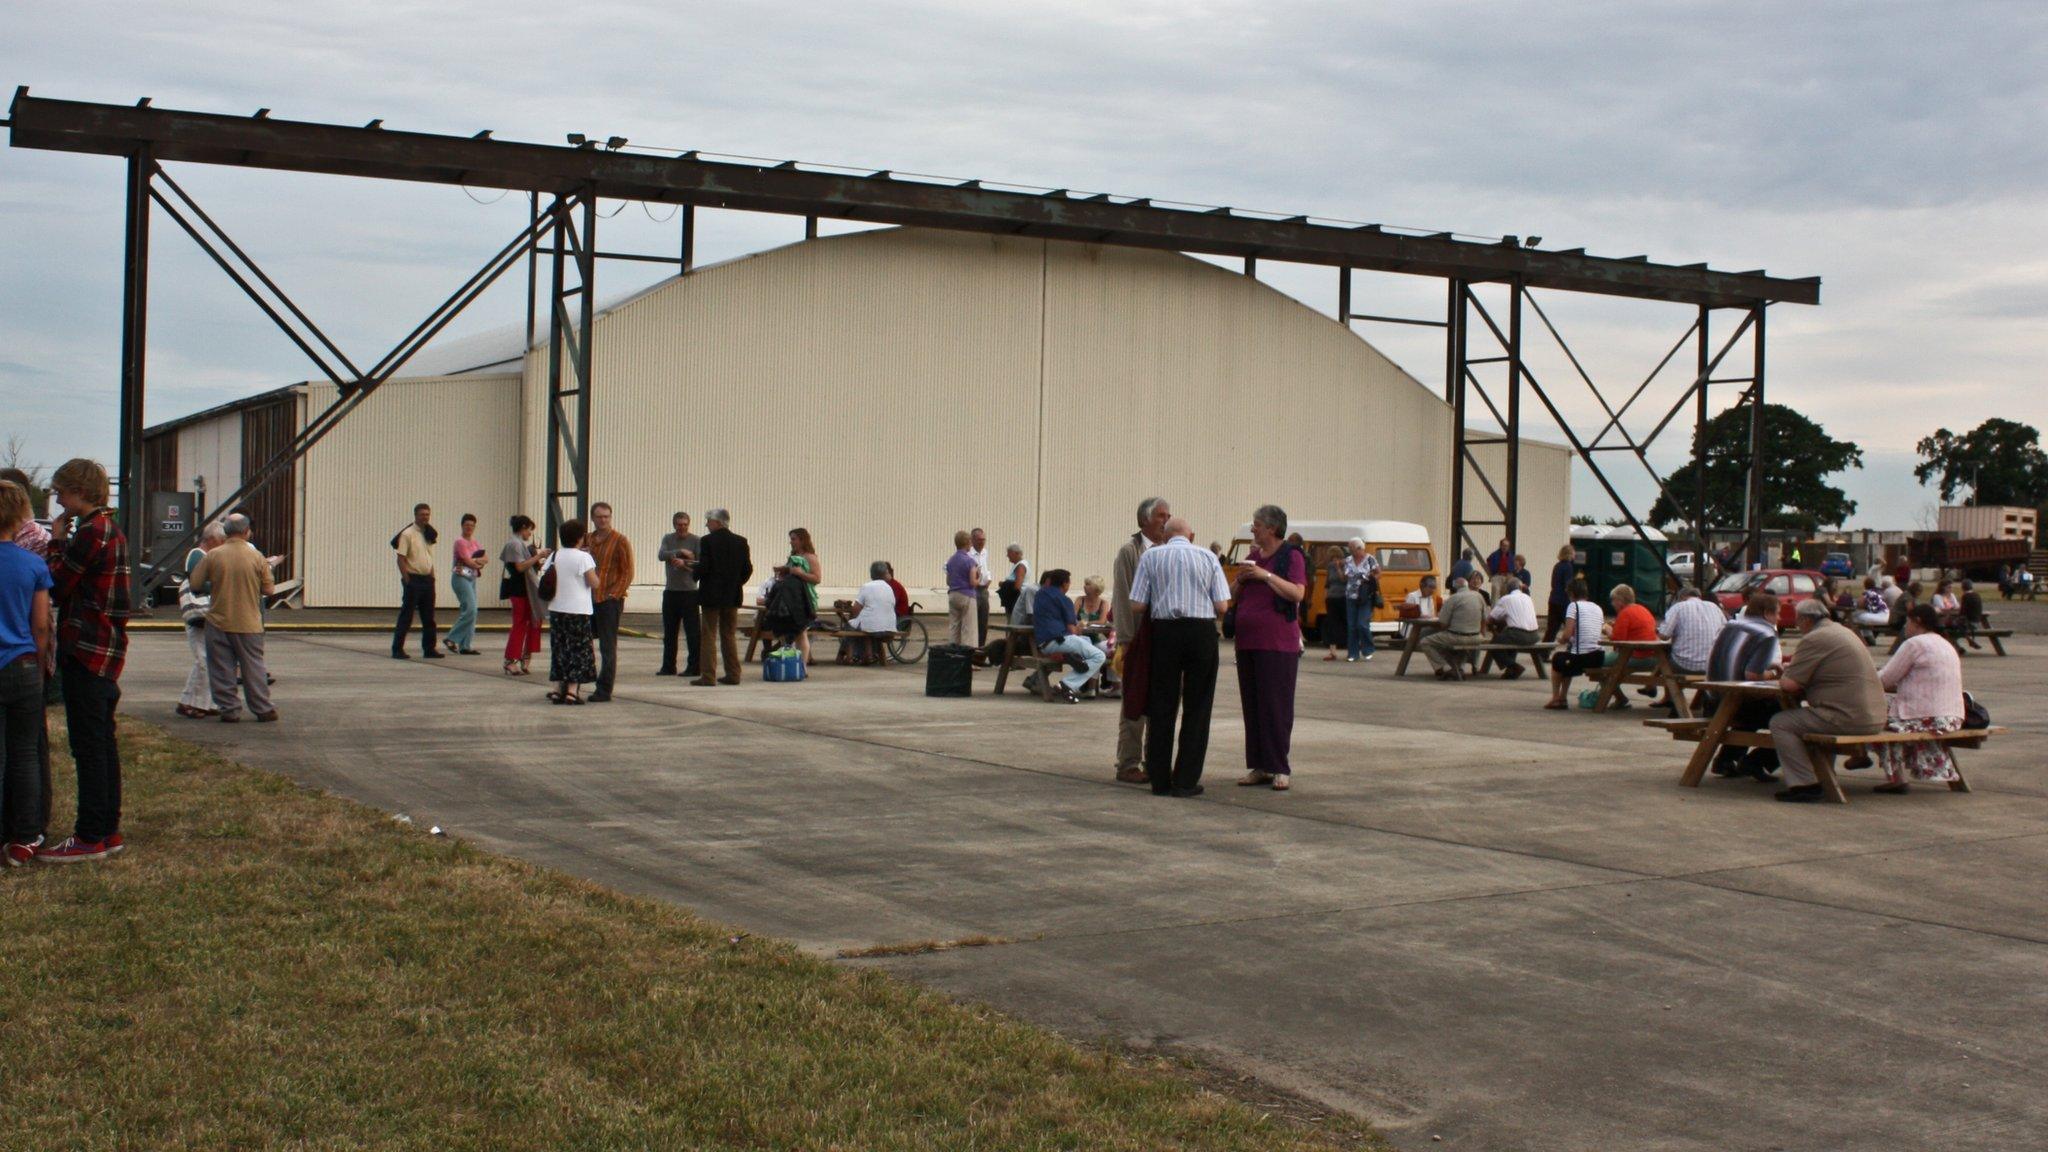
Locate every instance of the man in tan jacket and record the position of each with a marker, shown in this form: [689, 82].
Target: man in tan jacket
[1153, 514]
[614, 556]
[1832, 671]
[238, 578]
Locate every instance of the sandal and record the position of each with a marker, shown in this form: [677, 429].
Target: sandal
[558, 698]
[573, 700]
[512, 668]
[1556, 705]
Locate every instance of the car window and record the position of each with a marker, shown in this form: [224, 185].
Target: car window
[1803, 584]
[1778, 585]
[1238, 550]
[1733, 582]
[1404, 559]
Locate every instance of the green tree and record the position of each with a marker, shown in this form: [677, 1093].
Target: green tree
[2000, 461]
[1798, 457]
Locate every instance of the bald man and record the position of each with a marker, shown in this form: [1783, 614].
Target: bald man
[1180, 589]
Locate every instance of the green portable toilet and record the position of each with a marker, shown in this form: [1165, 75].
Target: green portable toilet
[1621, 556]
[1587, 554]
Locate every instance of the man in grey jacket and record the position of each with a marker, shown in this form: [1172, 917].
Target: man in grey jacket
[1153, 513]
[678, 555]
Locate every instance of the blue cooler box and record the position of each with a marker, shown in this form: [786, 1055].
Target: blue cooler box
[782, 666]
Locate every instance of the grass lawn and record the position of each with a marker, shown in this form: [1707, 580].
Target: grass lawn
[272, 967]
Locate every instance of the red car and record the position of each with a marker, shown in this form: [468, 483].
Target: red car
[1789, 585]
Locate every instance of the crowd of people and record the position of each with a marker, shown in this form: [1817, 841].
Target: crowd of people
[64, 609]
[1149, 636]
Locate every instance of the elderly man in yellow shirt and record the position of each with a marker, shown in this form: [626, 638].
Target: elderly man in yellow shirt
[237, 578]
[414, 546]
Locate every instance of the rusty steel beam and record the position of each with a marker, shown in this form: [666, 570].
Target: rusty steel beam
[689, 179]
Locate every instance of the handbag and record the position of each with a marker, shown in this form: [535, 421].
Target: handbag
[192, 606]
[509, 585]
[1410, 611]
[1975, 715]
[548, 582]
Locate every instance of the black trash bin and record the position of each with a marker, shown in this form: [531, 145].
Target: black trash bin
[950, 671]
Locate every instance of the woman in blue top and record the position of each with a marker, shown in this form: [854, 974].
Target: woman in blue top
[28, 654]
[1561, 575]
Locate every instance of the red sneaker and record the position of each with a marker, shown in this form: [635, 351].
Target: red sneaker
[19, 853]
[73, 850]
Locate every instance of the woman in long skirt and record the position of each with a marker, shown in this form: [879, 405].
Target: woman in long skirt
[574, 659]
[1269, 646]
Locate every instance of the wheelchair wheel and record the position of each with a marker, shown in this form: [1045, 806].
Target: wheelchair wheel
[911, 641]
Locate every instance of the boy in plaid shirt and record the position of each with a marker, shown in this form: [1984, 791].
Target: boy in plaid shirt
[89, 573]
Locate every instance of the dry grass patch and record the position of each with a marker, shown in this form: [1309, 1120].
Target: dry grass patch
[272, 968]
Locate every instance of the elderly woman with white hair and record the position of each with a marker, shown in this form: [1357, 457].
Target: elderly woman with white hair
[1361, 596]
[874, 614]
[1270, 585]
[196, 701]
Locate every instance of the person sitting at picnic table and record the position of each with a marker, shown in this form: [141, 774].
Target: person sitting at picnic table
[1514, 622]
[1462, 617]
[1832, 672]
[1871, 610]
[1692, 625]
[1632, 622]
[1093, 610]
[1477, 583]
[1421, 604]
[1925, 680]
[875, 613]
[1946, 605]
[1888, 589]
[1578, 641]
[1057, 628]
[1747, 649]
[1970, 618]
[1895, 622]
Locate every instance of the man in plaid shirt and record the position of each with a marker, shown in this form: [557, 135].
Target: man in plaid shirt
[89, 568]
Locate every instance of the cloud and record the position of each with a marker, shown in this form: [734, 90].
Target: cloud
[1892, 147]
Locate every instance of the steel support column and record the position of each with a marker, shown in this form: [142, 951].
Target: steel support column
[1753, 507]
[568, 446]
[1514, 422]
[1455, 374]
[1704, 364]
[134, 353]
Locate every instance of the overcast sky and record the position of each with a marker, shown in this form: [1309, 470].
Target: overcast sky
[1895, 149]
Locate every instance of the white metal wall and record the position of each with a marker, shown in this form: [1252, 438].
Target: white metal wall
[213, 449]
[885, 388]
[1543, 518]
[452, 442]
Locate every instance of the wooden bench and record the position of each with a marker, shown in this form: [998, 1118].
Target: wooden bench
[1997, 636]
[1022, 649]
[289, 593]
[1513, 652]
[1826, 746]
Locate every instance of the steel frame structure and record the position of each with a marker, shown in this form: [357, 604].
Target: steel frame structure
[564, 183]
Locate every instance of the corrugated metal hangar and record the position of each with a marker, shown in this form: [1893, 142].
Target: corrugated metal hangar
[882, 389]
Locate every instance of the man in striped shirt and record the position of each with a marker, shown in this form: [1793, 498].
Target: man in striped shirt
[1180, 589]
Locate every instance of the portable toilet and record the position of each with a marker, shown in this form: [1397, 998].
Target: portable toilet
[1625, 557]
[1586, 552]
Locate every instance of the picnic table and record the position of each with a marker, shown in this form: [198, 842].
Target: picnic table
[1714, 733]
[1021, 646]
[1617, 676]
[1417, 629]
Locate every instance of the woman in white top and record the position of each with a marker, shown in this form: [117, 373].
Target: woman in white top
[572, 662]
[1578, 642]
[876, 611]
[1420, 604]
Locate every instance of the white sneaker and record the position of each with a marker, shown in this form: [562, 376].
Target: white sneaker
[1280, 783]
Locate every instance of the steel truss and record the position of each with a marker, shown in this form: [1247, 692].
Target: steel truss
[1504, 345]
[564, 184]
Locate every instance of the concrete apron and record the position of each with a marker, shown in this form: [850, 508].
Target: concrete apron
[1470, 918]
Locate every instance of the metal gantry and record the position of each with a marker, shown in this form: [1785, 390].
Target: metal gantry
[564, 184]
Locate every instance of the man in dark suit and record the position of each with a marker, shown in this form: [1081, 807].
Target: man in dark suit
[724, 565]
